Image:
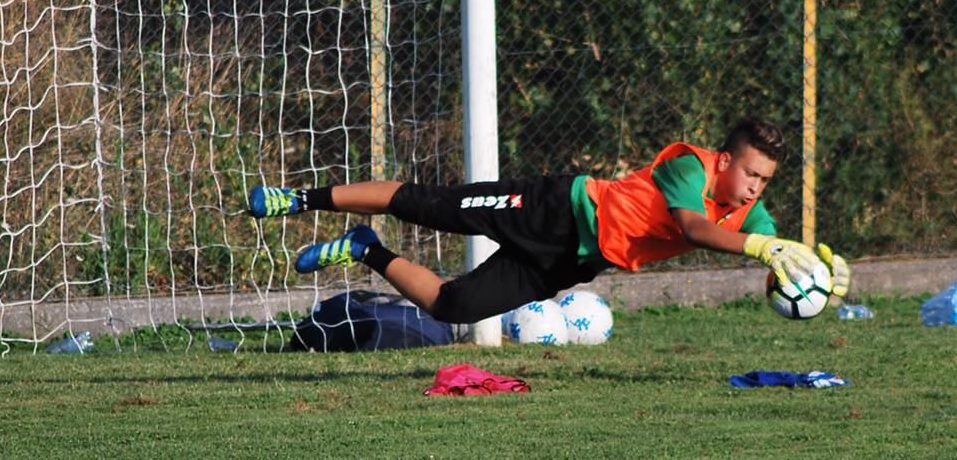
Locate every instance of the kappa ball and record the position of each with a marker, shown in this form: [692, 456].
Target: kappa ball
[801, 299]
[536, 322]
[587, 317]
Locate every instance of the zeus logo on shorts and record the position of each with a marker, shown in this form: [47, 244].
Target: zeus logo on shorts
[491, 201]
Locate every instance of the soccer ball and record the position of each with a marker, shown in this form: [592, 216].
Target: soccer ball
[789, 301]
[587, 317]
[536, 322]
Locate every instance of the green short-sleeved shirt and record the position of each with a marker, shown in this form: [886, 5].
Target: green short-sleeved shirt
[681, 180]
[584, 210]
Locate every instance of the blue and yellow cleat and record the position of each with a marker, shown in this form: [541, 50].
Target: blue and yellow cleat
[348, 250]
[273, 202]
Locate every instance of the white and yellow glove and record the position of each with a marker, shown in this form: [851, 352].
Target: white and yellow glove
[840, 271]
[789, 260]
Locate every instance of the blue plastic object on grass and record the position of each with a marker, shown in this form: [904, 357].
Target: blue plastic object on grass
[79, 343]
[854, 312]
[218, 344]
[941, 310]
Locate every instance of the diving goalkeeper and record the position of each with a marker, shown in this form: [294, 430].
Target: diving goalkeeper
[556, 232]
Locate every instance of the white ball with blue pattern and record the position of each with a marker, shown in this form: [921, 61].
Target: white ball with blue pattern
[587, 317]
[536, 322]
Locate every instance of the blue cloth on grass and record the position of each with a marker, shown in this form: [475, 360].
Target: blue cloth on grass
[816, 379]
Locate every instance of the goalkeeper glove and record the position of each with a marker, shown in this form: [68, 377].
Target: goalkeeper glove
[788, 259]
[840, 271]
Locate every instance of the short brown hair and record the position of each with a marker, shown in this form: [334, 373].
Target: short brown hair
[761, 135]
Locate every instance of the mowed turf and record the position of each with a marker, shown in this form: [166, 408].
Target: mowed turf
[659, 388]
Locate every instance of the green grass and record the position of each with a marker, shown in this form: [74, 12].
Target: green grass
[659, 388]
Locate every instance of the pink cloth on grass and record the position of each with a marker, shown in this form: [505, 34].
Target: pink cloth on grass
[466, 380]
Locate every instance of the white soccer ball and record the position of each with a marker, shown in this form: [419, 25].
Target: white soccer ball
[587, 317]
[536, 322]
[804, 298]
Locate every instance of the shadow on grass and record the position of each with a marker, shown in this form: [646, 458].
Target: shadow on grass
[240, 378]
[382, 376]
[612, 376]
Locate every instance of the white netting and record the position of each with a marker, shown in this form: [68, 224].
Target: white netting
[134, 130]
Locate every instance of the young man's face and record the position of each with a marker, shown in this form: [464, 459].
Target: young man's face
[742, 177]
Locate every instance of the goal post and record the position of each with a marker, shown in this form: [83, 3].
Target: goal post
[481, 132]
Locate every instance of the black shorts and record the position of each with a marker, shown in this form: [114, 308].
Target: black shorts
[530, 219]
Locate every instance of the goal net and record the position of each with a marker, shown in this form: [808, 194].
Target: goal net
[133, 132]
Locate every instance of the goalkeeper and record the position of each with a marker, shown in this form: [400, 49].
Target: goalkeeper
[556, 232]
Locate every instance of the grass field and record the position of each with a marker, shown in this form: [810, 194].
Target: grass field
[659, 388]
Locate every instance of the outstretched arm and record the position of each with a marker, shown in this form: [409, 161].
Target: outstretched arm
[788, 259]
[703, 233]
[775, 253]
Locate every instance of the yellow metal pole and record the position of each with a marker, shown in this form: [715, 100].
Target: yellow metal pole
[377, 70]
[810, 121]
